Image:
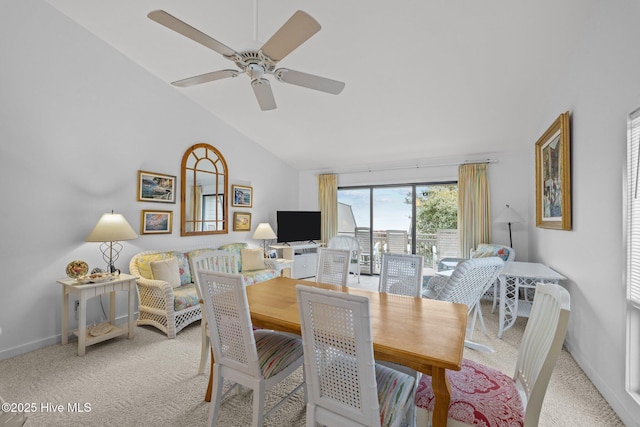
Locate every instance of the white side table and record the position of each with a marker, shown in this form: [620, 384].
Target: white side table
[280, 264]
[515, 276]
[124, 282]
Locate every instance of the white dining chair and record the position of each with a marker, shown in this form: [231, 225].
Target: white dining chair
[401, 274]
[208, 260]
[344, 384]
[333, 266]
[349, 243]
[481, 395]
[258, 359]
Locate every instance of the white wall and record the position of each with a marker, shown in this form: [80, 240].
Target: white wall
[509, 176]
[77, 121]
[600, 89]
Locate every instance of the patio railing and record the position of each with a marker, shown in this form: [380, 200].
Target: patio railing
[424, 247]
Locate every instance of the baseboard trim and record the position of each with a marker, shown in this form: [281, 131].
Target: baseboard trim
[610, 396]
[46, 342]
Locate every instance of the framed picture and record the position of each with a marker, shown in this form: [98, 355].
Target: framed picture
[155, 187]
[553, 176]
[156, 222]
[242, 196]
[241, 221]
[272, 253]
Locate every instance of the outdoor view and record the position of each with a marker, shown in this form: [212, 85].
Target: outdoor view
[380, 217]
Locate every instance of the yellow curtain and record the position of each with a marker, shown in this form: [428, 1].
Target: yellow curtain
[474, 212]
[328, 203]
[194, 215]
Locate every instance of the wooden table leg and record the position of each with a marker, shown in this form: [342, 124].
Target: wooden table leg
[442, 392]
[207, 396]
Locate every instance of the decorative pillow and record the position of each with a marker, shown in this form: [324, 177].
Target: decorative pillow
[167, 270]
[252, 259]
[183, 267]
[487, 250]
[144, 263]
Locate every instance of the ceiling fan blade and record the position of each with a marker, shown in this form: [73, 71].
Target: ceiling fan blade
[297, 30]
[173, 23]
[310, 81]
[205, 78]
[264, 95]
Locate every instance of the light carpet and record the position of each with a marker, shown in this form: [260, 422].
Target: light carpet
[152, 381]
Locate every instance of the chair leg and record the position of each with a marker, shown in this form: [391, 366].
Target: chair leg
[477, 346]
[214, 410]
[204, 347]
[258, 405]
[207, 396]
[472, 326]
[481, 318]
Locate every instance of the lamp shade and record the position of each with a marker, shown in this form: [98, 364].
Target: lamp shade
[509, 215]
[112, 227]
[264, 231]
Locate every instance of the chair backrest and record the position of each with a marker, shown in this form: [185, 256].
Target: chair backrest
[363, 234]
[507, 253]
[397, 241]
[216, 260]
[345, 242]
[401, 274]
[338, 357]
[227, 311]
[213, 260]
[541, 344]
[470, 280]
[333, 266]
[448, 243]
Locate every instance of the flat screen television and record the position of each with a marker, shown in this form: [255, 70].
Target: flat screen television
[298, 226]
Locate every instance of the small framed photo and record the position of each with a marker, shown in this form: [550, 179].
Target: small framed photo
[241, 221]
[156, 222]
[272, 253]
[156, 187]
[242, 196]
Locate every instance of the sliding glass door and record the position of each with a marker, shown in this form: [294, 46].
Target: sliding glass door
[396, 218]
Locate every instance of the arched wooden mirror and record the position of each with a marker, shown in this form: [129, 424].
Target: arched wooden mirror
[203, 207]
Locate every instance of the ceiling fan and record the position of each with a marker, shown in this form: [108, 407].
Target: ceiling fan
[256, 63]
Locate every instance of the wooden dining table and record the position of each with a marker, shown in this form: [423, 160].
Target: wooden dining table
[422, 334]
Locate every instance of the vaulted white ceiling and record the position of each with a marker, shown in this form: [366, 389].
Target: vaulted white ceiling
[424, 79]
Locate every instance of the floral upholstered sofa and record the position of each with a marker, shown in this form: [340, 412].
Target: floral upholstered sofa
[167, 297]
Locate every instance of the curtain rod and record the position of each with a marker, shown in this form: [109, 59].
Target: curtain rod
[418, 166]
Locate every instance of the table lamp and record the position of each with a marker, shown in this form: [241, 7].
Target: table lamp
[110, 229]
[509, 215]
[264, 232]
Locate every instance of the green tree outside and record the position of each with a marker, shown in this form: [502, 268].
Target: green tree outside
[437, 208]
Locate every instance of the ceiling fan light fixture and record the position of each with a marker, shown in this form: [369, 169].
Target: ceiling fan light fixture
[260, 81]
[255, 71]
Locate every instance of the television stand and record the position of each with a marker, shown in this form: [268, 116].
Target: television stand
[304, 256]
